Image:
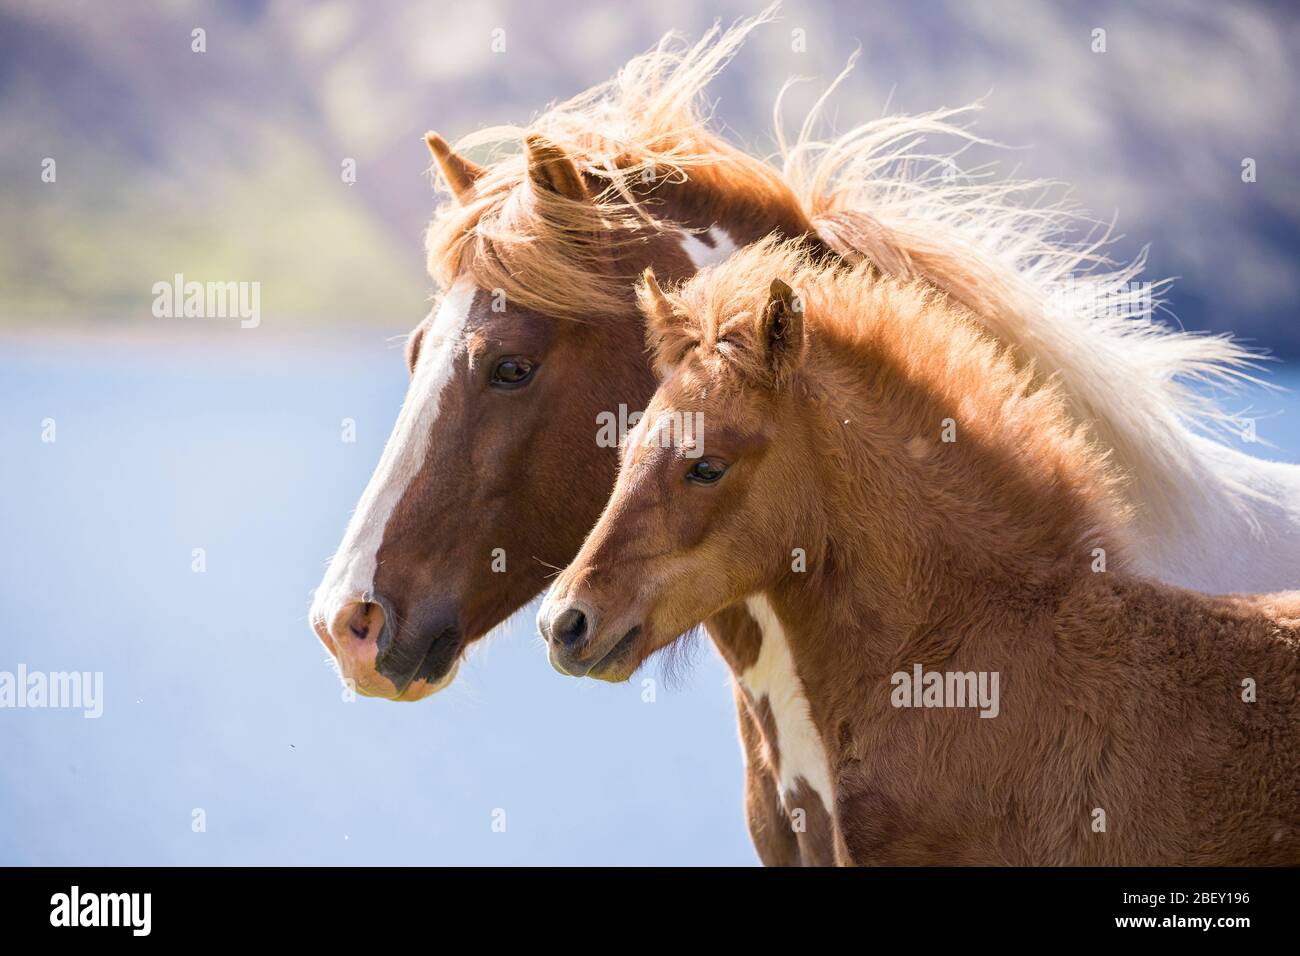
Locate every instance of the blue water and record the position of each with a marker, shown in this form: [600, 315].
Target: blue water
[217, 696]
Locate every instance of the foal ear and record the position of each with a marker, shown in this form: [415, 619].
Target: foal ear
[459, 172]
[551, 170]
[661, 332]
[782, 330]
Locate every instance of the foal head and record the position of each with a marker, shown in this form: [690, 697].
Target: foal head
[819, 421]
[710, 489]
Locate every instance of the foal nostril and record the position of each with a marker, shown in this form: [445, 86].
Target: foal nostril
[569, 627]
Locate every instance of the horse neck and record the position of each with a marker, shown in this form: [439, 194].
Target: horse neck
[743, 198]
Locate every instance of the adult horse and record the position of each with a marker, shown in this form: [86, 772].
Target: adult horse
[941, 580]
[494, 471]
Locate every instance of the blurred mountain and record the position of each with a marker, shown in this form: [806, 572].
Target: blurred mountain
[226, 164]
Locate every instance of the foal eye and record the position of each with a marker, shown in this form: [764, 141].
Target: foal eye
[706, 471]
[512, 372]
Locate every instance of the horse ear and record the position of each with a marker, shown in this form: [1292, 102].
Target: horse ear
[550, 169]
[459, 172]
[782, 330]
[660, 330]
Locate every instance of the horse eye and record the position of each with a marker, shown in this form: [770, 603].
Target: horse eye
[706, 471]
[512, 372]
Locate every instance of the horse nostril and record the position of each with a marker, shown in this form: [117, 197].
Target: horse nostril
[570, 627]
[363, 619]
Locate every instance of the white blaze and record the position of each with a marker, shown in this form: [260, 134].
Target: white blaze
[773, 676]
[351, 574]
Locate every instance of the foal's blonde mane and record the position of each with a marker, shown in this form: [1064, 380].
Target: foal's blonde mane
[871, 334]
[876, 193]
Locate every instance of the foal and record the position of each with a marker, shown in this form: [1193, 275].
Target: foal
[902, 508]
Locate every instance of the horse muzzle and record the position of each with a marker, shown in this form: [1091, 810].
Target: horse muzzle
[384, 654]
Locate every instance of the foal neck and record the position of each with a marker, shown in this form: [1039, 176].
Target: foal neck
[961, 500]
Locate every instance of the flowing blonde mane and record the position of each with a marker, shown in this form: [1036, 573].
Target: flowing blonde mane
[875, 192]
[646, 126]
[880, 192]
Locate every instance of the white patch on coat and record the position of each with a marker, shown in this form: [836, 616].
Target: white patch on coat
[773, 676]
[351, 574]
[702, 254]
